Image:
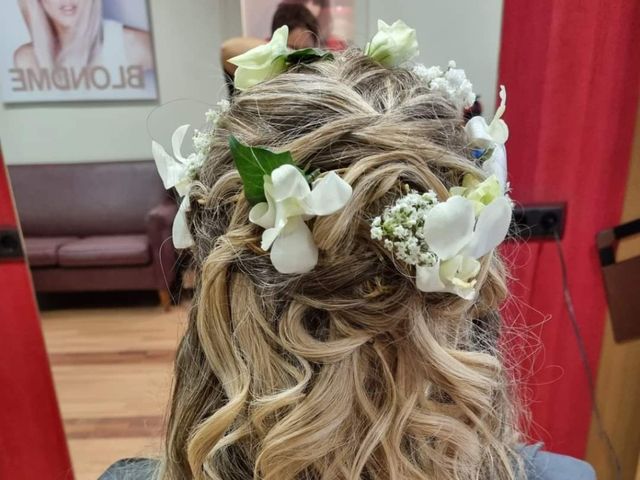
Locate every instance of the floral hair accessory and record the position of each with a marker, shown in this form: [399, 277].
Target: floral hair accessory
[262, 62]
[284, 198]
[393, 44]
[179, 172]
[490, 139]
[444, 240]
[266, 61]
[452, 83]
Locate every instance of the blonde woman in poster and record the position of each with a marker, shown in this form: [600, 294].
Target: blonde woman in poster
[74, 49]
[73, 33]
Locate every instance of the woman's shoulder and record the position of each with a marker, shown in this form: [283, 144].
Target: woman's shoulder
[138, 46]
[25, 57]
[542, 465]
[131, 469]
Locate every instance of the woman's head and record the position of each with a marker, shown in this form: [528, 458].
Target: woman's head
[303, 26]
[64, 32]
[348, 371]
[63, 13]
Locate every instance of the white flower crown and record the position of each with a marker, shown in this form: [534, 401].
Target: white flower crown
[443, 239]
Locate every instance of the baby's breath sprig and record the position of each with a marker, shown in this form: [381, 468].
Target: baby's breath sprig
[401, 228]
[202, 138]
[452, 83]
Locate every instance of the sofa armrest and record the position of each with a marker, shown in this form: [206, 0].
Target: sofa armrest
[161, 216]
[159, 221]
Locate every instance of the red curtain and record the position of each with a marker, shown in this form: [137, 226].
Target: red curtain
[572, 71]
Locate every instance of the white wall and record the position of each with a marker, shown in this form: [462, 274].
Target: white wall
[187, 37]
[467, 31]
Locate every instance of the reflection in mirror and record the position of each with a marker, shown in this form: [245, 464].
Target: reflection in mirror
[331, 22]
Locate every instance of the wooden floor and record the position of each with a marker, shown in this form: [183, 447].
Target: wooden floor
[112, 369]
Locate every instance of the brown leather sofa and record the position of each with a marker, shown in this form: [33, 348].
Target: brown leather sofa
[96, 226]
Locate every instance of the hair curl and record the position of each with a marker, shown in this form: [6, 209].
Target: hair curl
[348, 371]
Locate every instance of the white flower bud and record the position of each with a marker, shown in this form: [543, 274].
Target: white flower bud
[393, 44]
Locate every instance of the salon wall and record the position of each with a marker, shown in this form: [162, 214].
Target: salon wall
[187, 40]
[187, 36]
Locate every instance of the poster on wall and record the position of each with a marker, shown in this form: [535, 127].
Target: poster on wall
[76, 50]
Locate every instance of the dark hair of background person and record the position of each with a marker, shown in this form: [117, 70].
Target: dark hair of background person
[294, 16]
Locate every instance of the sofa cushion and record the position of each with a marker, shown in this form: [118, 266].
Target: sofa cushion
[107, 250]
[43, 251]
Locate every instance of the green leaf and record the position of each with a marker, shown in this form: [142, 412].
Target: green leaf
[253, 163]
[308, 55]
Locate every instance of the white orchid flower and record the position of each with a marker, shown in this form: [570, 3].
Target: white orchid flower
[481, 193]
[262, 62]
[496, 132]
[497, 165]
[290, 201]
[180, 234]
[178, 171]
[459, 239]
[492, 136]
[393, 44]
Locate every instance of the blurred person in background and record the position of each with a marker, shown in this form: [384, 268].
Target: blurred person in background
[309, 23]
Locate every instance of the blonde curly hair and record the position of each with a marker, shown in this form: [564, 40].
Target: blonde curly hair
[348, 371]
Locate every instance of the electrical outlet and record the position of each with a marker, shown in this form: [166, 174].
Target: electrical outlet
[539, 221]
